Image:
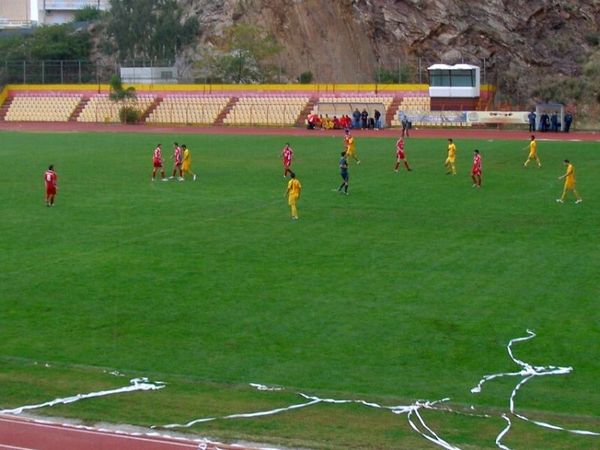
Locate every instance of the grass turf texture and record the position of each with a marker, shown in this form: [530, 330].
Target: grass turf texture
[408, 288]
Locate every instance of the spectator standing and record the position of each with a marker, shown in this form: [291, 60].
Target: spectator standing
[404, 121]
[554, 121]
[544, 122]
[531, 117]
[356, 118]
[568, 121]
[377, 116]
[364, 117]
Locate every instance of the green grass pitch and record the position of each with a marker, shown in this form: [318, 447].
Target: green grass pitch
[409, 288]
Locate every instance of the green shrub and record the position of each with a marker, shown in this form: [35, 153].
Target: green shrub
[87, 14]
[305, 77]
[129, 114]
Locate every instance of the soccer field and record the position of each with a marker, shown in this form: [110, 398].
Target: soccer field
[408, 288]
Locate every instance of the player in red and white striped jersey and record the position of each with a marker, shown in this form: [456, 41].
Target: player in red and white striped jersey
[50, 179]
[177, 162]
[287, 154]
[400, 155]
[157, 163]
[476, 169]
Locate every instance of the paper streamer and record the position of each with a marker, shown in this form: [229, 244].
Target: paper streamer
[503, 432]
[262, 387]
[415, 419]
[137, 384]
[528, 372]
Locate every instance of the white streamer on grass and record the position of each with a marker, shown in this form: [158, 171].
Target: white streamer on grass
[502, 433]
[412, 412]
[137, 384]
[528, 372]
[263, 387]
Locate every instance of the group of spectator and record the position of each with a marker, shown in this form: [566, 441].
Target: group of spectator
[318, 121]
[359, 120]
[549, 122]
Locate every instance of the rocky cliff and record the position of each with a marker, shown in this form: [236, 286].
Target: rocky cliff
[522, 43]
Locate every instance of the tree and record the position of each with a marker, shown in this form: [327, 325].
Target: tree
[59, 42]
[243, 56]
[118, 92]
[53, 42]
[128, 113]
[149, 30]
[87, 14]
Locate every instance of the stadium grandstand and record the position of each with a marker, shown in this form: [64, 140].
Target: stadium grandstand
[100, 108]
[187, 109]
[226, 105]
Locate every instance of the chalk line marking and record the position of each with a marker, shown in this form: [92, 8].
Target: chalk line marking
[528, 372]
[412, 411]
[137, 384]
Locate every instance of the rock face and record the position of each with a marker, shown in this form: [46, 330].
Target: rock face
[345, 41]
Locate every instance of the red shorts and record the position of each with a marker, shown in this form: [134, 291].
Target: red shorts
[400, 156]
[287, 163]
[157, 163]
[50, 190]
[476, 172]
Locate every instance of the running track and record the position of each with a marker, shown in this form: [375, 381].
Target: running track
[436, 133]
[26, 434]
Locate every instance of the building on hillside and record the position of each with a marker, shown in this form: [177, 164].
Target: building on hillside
[15, 14]
[51, 12]
[148, 75]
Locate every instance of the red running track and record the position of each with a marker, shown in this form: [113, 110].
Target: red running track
[26, 434]
[436, 133]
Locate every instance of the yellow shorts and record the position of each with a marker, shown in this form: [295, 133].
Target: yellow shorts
[292, 199]
[450, 160]
[185, 167]
[532, 155]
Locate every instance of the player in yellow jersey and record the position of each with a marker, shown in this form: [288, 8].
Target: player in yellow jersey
[293, 194]
[569, 178]
[532, 152]
[186, 167]
[350, 147]
[451, 158]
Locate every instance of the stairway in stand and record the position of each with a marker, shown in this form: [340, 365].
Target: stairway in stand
[79, 108]
[312, 102]
[5, 107]
[390, 114]
[219, 121]
[157, 101]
